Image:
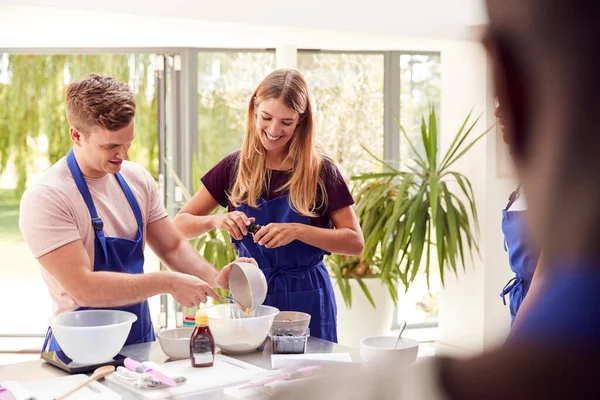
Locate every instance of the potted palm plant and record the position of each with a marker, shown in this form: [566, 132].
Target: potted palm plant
[413, 219]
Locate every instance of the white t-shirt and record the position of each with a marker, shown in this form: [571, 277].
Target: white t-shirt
[53, 214]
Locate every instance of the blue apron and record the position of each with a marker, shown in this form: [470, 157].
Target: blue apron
[296, 276]
[522, 257]
[113, 255]
[565, 314]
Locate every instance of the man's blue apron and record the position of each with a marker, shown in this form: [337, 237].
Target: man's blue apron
[113, 255]
[522, 256]
[296, 276]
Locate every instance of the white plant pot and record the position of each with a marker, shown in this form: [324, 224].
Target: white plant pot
[362, 320]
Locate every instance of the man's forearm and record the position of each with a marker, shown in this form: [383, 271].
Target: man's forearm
[114, 289]
[185, 259]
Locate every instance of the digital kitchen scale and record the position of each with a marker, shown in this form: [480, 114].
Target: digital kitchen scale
[51, 357]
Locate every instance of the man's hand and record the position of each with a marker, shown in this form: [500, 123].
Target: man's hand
[223, 277]
[190, 291]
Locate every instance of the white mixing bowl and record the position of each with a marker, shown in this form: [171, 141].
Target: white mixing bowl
[92, 336]
[236, 333]
[380, 350]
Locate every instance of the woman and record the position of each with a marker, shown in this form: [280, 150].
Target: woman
[284, 183]
[522, 256]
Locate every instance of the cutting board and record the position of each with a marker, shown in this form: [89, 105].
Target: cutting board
[48, 389]
[226, 371]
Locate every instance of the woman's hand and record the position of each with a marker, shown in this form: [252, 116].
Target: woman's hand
[276, 235]
[236, 223]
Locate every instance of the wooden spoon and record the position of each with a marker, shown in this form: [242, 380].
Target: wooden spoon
[99, 373]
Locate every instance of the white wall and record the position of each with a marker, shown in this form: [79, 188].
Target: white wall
[55, 28]
[435, 19]
[472, 315]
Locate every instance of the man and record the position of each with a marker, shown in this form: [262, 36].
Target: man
[545, 68]
[89, 217]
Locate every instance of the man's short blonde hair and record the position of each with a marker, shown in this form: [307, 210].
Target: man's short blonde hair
[99, 101]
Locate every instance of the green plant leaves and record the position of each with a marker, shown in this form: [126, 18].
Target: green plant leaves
[401, 212]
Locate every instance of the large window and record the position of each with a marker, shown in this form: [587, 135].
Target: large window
[350, 103]
[348, 91]
[226, 81]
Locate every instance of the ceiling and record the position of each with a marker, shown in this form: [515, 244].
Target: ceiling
[439, 19]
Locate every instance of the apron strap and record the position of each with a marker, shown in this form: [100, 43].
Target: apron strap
[513, 197]
[87, 198]
[131, 199]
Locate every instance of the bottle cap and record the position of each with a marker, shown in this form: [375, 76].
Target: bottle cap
[202, 319]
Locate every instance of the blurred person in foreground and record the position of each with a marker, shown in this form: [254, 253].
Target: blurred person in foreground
[545, 63]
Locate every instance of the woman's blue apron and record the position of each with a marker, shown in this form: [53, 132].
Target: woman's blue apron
[113, 255]
[522, 256]
[296, 276]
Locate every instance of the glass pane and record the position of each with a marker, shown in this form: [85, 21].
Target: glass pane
[348, 91]
[420, 87]
[34, 134]
[226, 81]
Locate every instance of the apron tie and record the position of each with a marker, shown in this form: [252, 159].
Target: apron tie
[510, 287]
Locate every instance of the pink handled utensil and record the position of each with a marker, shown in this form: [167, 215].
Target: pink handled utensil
[6, 394]
[285, 376]
[136, 366]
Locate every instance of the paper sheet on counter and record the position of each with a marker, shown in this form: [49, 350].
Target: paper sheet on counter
[286, 360]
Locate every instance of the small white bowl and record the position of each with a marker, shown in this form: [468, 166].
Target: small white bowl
[248, 284]
[291, 320]
[176, 342]
[379, 350]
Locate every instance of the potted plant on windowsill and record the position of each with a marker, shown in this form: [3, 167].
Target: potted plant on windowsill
[412, 219]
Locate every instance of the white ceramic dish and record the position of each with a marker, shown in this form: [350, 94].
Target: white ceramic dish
[234, 332]
[92, 336]
[248, 284]
[287, 320]
[379, 350]
[175, 343]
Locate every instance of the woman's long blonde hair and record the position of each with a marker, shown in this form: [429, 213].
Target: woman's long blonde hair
[307, 193]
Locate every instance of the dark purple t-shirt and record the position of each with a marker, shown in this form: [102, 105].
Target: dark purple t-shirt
[220, 179]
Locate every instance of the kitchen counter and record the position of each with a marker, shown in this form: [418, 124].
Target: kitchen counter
[38, 370]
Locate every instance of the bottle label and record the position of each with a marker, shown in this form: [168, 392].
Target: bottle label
[202, 350]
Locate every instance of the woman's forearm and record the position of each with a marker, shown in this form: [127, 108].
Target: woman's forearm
[191, 226]
[343, 241]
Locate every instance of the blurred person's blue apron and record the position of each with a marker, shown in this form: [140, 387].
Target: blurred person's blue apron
[296, 276]
[522, 256]
[113, 255]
